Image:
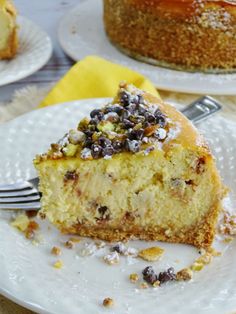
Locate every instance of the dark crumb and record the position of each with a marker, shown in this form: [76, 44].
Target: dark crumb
[31, 213]
[119, 248]
[108, 302]
[104, 213]
[42, 215]
[71, 176]
[69, 244]
[149, 275]
[200, 165]
[168, 275]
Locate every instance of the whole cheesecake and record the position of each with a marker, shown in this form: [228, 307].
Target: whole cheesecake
[194, 35]
[8, 30]
[136, 168]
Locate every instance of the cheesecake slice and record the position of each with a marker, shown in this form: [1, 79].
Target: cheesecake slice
[136, 168]
[8, 30]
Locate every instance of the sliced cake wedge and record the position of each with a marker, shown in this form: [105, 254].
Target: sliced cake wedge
[136, 168]
[8, 30]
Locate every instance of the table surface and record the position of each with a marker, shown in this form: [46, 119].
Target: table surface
[47, 14]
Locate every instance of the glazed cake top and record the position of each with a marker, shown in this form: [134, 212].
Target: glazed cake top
[134, 122]
[184, 8]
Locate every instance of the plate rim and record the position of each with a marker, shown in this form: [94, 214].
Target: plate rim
[160, 85]
[21, 20]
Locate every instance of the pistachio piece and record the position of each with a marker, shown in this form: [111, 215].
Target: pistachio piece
[83, 125]
[70, 150]
[105, 126]
[75, 137]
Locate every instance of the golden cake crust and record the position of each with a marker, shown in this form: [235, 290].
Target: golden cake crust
[190, 35]
[200, 235]
[12, 45]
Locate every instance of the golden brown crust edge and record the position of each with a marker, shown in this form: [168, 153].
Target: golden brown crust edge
[200, 235]
[210, 51]
[12, 46]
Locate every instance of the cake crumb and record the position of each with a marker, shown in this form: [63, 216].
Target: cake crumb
[228, 226]
[58, 264]
[100, 244]
[89, 249]
[151, 254]
[21, 222]
[69, 244]
[228, 240]
[56, 251]
[156, 284]
[112, 259]
[108, 302]
[133, 277]
[184, 274]
[143, 285]
[74, 240]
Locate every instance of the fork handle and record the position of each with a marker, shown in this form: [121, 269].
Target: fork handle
[201, 109]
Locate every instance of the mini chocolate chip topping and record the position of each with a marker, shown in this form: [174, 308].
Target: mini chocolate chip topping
[151, 277]
[168, 275]
[129, 124]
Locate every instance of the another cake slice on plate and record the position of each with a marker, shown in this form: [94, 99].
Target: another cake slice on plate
[136, 168]
[8, 30]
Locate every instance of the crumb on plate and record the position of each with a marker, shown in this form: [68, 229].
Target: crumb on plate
[151, 254]
[56, 251]
[108, 302]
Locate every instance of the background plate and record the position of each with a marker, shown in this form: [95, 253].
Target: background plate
[34, 51]
[26, 272]
[81, 33]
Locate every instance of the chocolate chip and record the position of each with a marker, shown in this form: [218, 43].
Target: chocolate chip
[103, 141]
[97, 113]
[138, 99]
[108, 151]
[88, 142]
[150, 117]
[149, 275]
[71, 175]
[125, 99]
[168, 275]
[96, 151]
[117, 109]
[160, 118]
[104, 213]
[88, 133]
[119, 248]
[136, 134]
[125, 114]
[117, 145]
[127, 124]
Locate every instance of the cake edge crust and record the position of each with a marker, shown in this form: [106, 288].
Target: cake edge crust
[200, 235]
[10, 51]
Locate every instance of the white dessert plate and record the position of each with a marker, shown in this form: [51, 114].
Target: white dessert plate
[27, 275]
[35, 49]
[81, 33]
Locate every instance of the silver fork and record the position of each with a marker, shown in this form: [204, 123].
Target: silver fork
[25, 195]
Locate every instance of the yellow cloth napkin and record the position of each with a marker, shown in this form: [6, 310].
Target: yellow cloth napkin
[94, 77]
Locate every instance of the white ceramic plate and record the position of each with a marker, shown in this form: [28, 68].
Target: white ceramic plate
[26, 272]
[35, 49]
[81, 33]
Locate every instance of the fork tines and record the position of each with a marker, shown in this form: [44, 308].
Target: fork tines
[22, 195]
